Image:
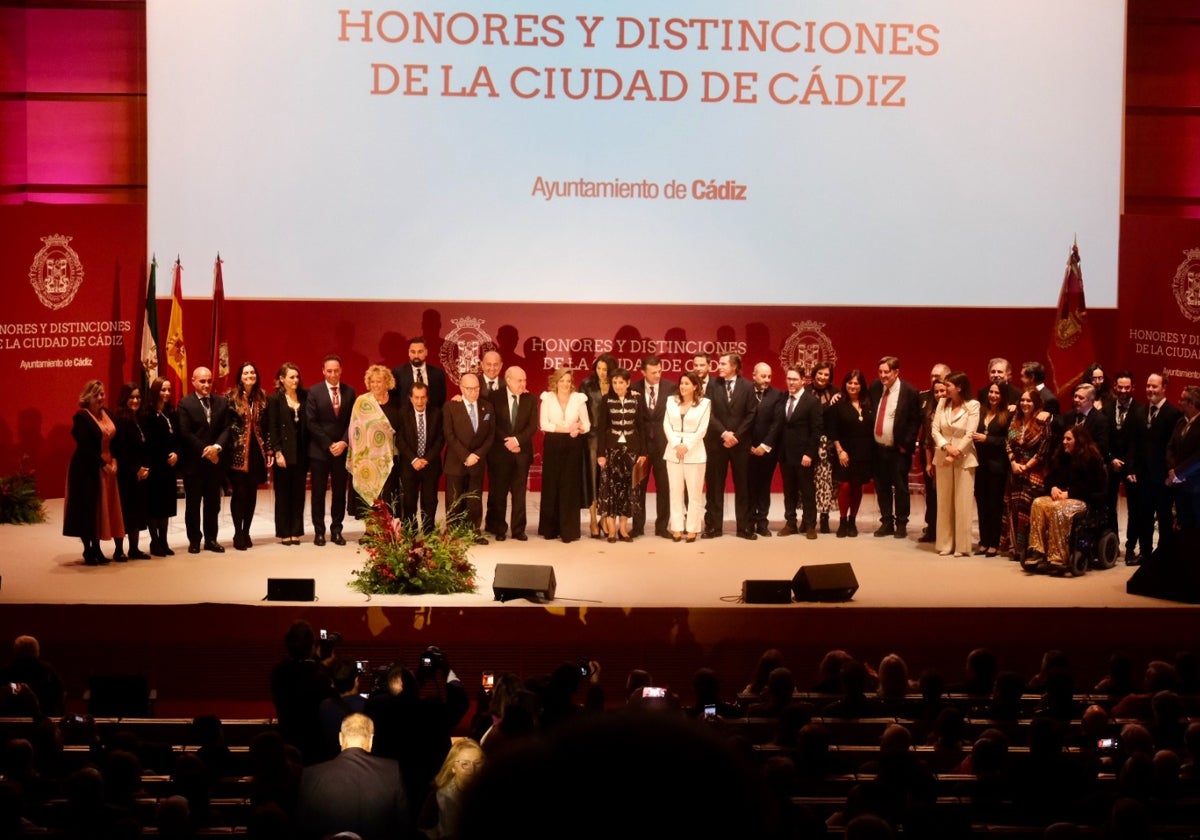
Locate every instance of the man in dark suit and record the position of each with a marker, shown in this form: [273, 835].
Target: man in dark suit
[1000, 373]
[802, 417]
[1183, 462]
[491, 384]
[1161, 419]
[420, 440]
[728, 445]
[1127, 423]
[1033, 375]
[470, 428]
[327, 410]
[419, 370]
[511, 455]
[764, 440]
[1087, 415]
[653, 391]
[204, 431]
[355, 791]
[897, 422]
[928, 404]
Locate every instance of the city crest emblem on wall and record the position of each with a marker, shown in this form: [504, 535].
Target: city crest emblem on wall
[463, 349]
[1186, 285]
[56, 273]
[807, 346]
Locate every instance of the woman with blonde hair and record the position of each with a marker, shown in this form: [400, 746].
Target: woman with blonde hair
[563, 418]
[441, 812]
[372, 435]
[92, 510]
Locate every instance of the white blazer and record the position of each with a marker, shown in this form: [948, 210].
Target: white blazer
[552, 418]
[955, 426]
[687, 429]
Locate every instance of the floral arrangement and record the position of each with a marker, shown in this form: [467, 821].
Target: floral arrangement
[19, 501]
[401, 560]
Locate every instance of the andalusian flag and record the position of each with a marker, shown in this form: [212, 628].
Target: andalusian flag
[150, 330]
[176, 350]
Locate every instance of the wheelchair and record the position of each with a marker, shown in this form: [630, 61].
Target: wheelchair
[1093, 543]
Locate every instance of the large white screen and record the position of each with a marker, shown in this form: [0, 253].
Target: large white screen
[991, 140]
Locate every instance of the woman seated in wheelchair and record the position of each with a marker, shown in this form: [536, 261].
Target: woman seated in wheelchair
[1077, 480]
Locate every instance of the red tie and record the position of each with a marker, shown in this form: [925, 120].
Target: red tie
[882, 411]
[337, 400]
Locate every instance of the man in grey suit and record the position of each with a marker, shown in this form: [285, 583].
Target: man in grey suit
[327, 410]
[653, 391]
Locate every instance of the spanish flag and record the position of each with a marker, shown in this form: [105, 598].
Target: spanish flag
[176, 350]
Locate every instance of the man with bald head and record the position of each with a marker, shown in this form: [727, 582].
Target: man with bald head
[490, 383]
[469, 425]
[764, 437]
[511, 455]
[204, 433]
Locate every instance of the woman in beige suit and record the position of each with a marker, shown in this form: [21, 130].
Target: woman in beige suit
[685, 421]
[954, 421]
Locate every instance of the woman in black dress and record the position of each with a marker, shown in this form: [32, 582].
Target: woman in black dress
[992, 473]
[162, 454]
[619, 448]
[92, 510]
[250, 453]
[596, 387]
[852, 436]
[287, 436]
[133, 468]
[825, 391]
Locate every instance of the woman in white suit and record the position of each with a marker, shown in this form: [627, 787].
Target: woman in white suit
[954, 421]
[685, 420]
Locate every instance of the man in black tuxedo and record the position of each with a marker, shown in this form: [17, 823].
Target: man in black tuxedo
[928, 404]
[511, 455]
[420, 440]
[327, 409]
[728, 445]
[897, 422]
[470, 428]
[1033, 375]
[1127, 423]
[653, 391]
[1087, 415]
[491, 384]
[801, 416]
[355, 791]
[764, 440]
[1161, 419]
[204, 431]
[1183, 463]
[419, 370]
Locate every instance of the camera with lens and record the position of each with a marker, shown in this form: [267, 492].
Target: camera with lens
[432, 662]
[585, 667]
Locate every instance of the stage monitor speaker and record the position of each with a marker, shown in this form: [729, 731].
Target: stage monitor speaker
[291, 589]
[766, 592]
[518, 580]
[1171, 572]
[119, 695]
[827, 582]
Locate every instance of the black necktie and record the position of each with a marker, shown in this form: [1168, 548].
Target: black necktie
[1153, 414]
[204, 401]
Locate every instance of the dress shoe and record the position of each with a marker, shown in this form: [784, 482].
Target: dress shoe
[677, 538]
[664, 533]
[612, 539]
[810, 533]
[787, 530]
[319, 539]
[166, 550]
[991, 552]
[1131, 557]
[710, 535]
[119, 557]
[520, 537]
[214, 546]
[138, 554]
[480, 539]
[748, 535]
[246, 539]
[885, 530]
[824, 523]
[927, 538]
[500, 537]
[843, 529]
[158, 551]
[762, 530]
[852, 531]
[337, 539]
[625, 537]
[239, 542]
[194, 548]
[901, 533]
[637, 532]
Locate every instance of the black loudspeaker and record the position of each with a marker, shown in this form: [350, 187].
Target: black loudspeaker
[827, 582]
[766, 592]
[291, 589]
[1171, 572]
[119, 695]
[516, 580]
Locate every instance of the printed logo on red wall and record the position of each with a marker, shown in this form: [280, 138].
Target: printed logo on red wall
[1186, 285]
[807, 346]
[56, 273]
[463, 349]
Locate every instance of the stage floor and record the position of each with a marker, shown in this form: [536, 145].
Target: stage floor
[40, 566]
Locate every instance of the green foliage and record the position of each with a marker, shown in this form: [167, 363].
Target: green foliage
[401, 560]
[19, 501]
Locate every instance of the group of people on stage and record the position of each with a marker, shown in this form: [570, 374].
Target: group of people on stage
[1008, 452]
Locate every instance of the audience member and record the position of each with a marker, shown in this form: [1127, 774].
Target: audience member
[28, 668]
[442, 811]
[298, 685]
